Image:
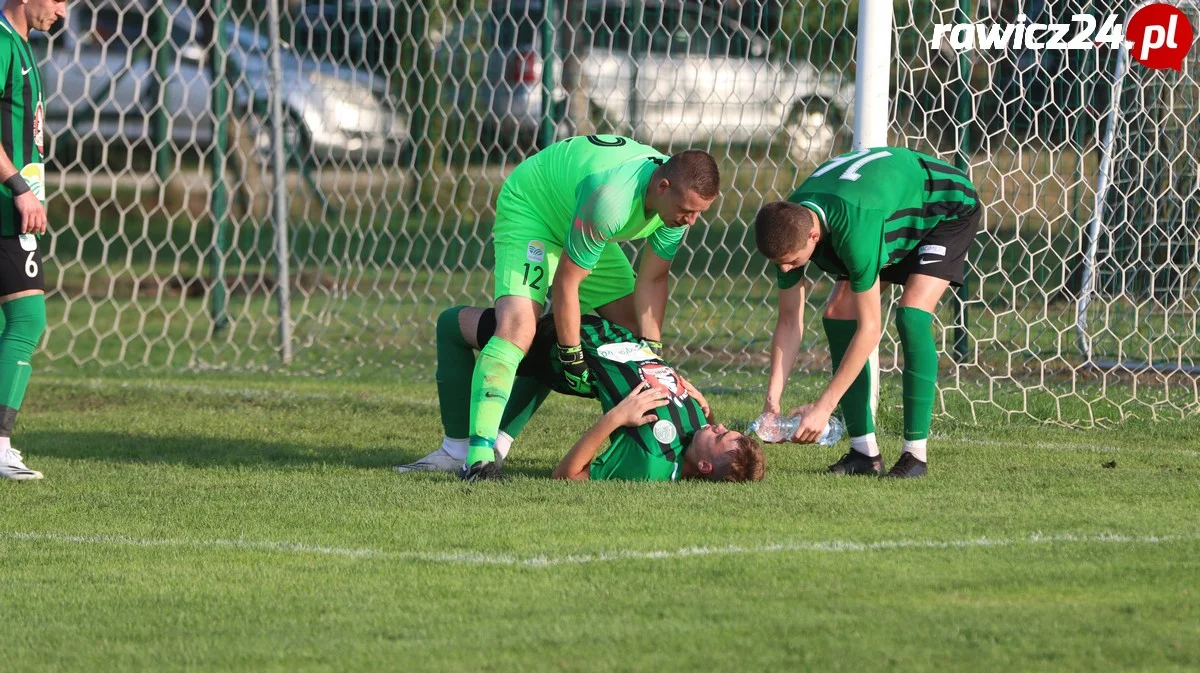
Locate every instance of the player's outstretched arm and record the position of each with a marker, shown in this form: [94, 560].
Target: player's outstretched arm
[785, 343]
[650, 294]
[866, 338]
[632, 411]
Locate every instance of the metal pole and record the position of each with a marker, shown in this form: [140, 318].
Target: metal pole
[963, 115]
[164, 55]
[639, 50]
[873, 76]
[548, 41]
[1087, 284]
[282, 273]
[216, 163]
[872, 101]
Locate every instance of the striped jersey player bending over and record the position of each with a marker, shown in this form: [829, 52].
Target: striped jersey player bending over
[871, 218]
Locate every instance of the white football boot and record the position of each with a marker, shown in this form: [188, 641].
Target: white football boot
[12, 467]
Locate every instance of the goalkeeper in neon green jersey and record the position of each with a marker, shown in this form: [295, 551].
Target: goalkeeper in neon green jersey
[22, 213]
[871, 218]
[660, 427]
[559, 217]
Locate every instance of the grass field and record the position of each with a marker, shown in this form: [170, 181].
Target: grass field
[248, 522]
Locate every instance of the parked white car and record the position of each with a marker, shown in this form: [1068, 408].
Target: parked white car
[101, 85]
[700, 75]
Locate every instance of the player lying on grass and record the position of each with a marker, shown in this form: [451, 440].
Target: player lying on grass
[659, 426]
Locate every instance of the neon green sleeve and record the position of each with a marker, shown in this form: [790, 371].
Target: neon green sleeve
[665, 241]
[601, 211]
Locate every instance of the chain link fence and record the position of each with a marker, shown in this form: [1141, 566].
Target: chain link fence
[400, 120]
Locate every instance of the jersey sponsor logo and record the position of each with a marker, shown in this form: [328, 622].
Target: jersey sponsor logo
[536, 252]
[625, 352]
[38, 117]
[28, 242]
[664, 378]
[665, 432]
[35, 175]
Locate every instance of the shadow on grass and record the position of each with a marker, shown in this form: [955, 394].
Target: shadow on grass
[207, 452]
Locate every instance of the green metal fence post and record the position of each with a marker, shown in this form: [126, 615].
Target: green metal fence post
[216, 161]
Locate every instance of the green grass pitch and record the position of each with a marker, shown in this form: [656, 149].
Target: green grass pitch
[237, 522]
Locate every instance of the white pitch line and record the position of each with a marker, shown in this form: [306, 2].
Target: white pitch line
[486, 559]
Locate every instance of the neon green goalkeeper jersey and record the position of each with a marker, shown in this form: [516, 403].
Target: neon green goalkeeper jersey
[875, 206]
[590, 190]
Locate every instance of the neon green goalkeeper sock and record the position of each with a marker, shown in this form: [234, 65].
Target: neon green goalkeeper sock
[856, 403]
[491, 386]
[920, 370]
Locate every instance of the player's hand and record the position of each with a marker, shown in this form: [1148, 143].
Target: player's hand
[637, 408]
[33, 213]
[576, 375]
[770, 407]
[704, 406]
[815, 419]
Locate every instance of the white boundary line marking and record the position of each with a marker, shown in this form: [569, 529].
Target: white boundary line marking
[486, 559]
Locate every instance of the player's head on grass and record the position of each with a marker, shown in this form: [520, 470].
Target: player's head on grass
[786, 233]
[683, 187]
[720, 454]
[36, 14]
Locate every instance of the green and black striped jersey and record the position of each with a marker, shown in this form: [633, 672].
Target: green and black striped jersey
[875, 206]
[620, 363]
[22, 112]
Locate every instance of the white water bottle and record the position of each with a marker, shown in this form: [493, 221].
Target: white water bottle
[775, 428]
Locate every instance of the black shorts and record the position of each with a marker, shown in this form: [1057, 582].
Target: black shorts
[941, 254]
[541, 362]
[20, 265]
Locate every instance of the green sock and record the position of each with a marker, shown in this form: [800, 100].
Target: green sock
[491, 386]
[528, 393]
[856, 403]
[920, 370]
[455, 365]
[24, 323]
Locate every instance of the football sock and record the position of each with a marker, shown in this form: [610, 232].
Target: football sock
[491, 385]
[856, 403]
[503, 445]
[455, 446]
[920, 370]
[455, 365]
[527, 395]
[865, 445]
[917, 448]
[24, 323]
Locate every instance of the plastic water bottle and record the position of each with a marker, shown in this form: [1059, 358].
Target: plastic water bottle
[774, 428]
